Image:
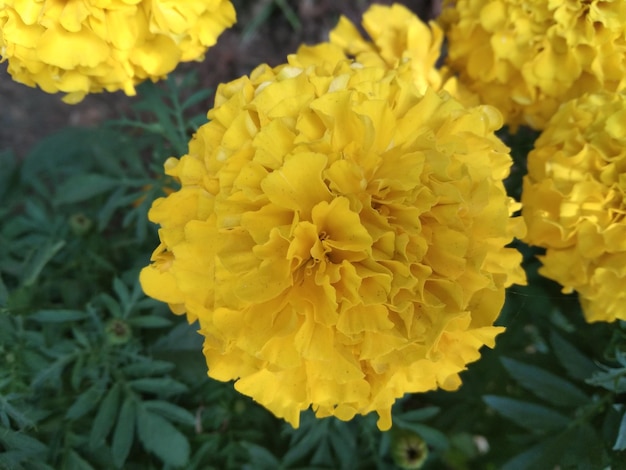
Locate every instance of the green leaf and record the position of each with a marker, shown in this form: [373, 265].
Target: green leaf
[614, 379]
[421, 414]
[432, 436]
[53, 371]
[150, 321]
[306, 439]
[147, 367]
[163, 386]
[343, 442]
[161, 438]
[86, 402]
[20, 418]
[544, 384]
[528, 415]
[58, 316]
[4, 293]
[122, 292]
[544, 455]
[21, 441]
[84, 186]
[620, 442]
[76, 462]
[586, 449]
[105, 417]
[170, 411]
[577, 365]
[124, 433]
[8, 163]
[40, 259]
[260, 457]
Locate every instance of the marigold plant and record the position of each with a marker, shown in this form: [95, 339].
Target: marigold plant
[86, 46]
[339, 235]
[574, 200]
[527, 57]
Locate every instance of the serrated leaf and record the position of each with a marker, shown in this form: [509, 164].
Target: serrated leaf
[86, 402]
[58, 316]
[577, 365]
[161, 438]
[84, 186]
[163, 386]
[124, 432]
[170, 411]
[105, 417]
[544, 384]
[528, 415]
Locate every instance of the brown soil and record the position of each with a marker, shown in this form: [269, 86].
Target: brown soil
[29, 114]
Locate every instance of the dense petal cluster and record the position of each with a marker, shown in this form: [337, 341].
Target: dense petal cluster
[339, 235]
[574, 200]
[527, 57]
[399, 36]
[87, 46]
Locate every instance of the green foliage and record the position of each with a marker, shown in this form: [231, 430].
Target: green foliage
[263, 10]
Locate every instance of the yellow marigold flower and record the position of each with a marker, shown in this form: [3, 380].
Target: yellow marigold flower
[527, 57]
[339, 235]
[574, 200]
[399, 36]
[87, 46]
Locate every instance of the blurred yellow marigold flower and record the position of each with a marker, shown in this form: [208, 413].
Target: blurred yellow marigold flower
[87, 46]
[398, 36]
[339, 235]
[574, 200]
[527, 57]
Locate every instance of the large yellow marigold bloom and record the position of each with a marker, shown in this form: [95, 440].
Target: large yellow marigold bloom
[574, 200]
[87, 46]
[340, 236]
[527, 57]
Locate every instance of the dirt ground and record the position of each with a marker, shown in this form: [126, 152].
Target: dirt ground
[29, 114]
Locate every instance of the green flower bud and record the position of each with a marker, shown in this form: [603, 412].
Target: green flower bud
[118, 331]
[80, 224]
[408, 449]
